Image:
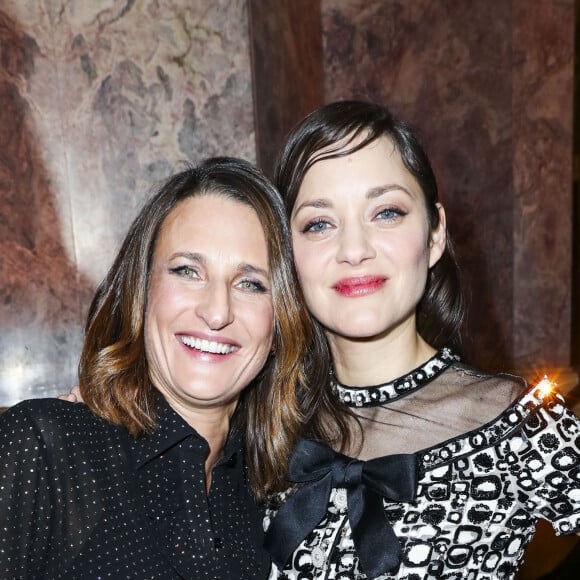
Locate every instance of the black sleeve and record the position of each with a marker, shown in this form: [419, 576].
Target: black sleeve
[26, 512]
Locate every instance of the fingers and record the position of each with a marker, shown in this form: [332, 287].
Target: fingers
[74, 396]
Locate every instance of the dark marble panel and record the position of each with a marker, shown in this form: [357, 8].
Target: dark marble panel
[452, 69]
[542, 113]
[287, 68]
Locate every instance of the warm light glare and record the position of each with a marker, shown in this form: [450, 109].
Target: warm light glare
[546, 386]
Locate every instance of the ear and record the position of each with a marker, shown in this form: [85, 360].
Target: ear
[438, 238]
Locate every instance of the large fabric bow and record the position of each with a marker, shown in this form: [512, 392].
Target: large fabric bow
[318, 468]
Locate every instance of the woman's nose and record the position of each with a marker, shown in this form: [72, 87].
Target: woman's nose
[215, 307]
[354, 244]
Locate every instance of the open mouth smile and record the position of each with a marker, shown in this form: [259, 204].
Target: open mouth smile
[204, 345]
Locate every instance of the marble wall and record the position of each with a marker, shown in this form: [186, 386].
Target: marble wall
[99, 101]
[490, 86]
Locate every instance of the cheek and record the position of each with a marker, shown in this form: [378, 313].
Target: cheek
[306, 271]
[420, 269]
[260, 324]
[310, 265]
[412, 252]
[154, 304]
[314, 294]
[167, 300]
[155, 315]
[164, 305]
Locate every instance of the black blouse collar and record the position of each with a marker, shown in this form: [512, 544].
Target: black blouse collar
[400, 387]
[172, 429]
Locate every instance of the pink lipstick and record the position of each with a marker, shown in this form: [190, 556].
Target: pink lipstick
[359, 286]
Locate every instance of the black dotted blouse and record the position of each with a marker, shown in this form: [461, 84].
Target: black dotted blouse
[82, 499]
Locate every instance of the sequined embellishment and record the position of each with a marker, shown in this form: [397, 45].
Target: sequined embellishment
[381, 394]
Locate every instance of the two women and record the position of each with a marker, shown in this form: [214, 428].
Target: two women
[181, 371]
[413, 465]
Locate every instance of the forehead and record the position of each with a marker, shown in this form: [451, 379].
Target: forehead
[377, 164]
[213, 221]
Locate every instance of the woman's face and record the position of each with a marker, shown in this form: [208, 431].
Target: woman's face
[209, 321]
[362, 242]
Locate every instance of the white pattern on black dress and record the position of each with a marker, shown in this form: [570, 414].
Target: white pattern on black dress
[479, 494]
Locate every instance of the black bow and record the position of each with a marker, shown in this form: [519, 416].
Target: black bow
[319, 469]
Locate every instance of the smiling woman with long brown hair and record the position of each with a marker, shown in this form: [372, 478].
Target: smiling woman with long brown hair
[194, 348]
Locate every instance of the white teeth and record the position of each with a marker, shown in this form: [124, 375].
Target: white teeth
[207, 345]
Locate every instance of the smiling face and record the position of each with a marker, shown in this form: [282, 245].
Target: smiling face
[209, 320]
[362, 243]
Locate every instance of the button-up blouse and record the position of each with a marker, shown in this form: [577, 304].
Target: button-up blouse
[81, 498]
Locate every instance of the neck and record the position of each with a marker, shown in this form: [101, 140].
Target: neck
[213, 424]
[215, 430]
[373, 361]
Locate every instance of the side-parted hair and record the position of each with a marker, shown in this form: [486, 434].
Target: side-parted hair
[113, 370]
[336, 130]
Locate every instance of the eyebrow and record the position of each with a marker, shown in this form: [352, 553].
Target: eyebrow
[193, 256]
[243, 267]
[372, 193]
[249, 269]
[375, 192]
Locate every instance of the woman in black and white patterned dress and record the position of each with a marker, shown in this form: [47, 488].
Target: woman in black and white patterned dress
[413, 465]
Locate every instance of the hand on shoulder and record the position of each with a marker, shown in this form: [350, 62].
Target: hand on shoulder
[74, 396]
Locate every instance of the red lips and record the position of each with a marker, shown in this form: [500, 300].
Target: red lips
[359, 286]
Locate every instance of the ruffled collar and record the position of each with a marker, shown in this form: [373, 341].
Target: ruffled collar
[400, 387]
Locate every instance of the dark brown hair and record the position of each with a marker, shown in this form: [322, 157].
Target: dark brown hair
[336, 130]
[113, 370]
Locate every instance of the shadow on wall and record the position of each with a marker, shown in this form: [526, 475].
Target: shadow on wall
[42, 295]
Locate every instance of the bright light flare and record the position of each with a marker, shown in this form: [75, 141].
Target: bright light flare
[546, 386]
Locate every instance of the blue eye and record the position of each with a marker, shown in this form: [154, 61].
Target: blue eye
[390, 214]
[316, 226]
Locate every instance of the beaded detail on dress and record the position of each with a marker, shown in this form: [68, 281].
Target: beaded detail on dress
[400, 387]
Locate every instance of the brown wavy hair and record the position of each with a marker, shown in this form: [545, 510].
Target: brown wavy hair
[113, 370]
[336, 130]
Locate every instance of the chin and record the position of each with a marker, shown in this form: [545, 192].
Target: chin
[369, 325]
[359, 330]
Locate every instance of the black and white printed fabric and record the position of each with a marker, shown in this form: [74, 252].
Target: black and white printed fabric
[493, 455]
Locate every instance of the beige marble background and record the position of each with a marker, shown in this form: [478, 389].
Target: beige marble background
[98, 102]
[101, 100]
